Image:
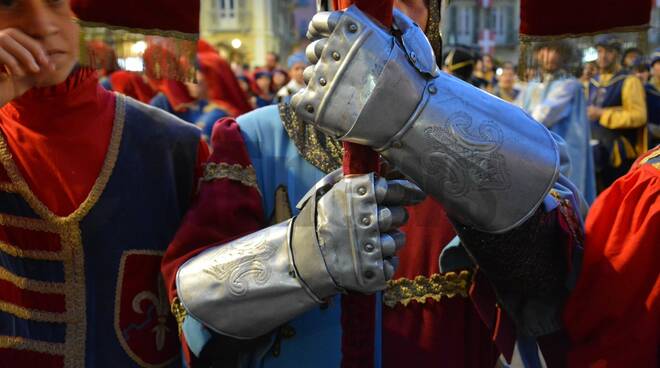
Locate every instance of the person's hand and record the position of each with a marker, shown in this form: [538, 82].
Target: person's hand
[594, 113]
[22, 58]
[355, 61]
[357, 226]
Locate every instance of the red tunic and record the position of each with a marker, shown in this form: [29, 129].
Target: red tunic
[448, 333]
[613, 316]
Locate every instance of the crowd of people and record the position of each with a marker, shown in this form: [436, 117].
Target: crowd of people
[606, 127]
[606, 110]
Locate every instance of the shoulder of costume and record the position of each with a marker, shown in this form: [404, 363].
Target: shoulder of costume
[158, 120]
[652, 158]
[264, 121]
[650, 88]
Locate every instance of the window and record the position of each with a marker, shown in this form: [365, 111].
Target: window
[224, 14]
[226, 9]
[465, 25]
[500, 22]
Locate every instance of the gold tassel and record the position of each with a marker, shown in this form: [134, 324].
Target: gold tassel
[182, 46]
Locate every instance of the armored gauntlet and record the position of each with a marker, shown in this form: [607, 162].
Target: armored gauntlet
[487, 161]
[344, 238]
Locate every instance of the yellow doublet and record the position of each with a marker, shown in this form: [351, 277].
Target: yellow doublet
[633, 112]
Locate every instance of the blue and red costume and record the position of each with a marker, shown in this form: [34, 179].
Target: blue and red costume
[92, 187]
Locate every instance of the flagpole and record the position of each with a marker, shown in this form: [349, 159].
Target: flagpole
[360, 159]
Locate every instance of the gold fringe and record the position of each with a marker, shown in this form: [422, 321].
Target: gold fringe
[142, 31]
[627, 29]
[526, 42]
[181, 45]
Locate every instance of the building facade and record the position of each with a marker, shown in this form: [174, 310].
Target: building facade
[246, 30]
[490, 26]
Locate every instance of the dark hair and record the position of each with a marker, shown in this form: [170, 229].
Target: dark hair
[508, 65]
[276, 56]
[630, 50]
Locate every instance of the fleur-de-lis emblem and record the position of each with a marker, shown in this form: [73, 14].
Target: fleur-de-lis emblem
[162, 311]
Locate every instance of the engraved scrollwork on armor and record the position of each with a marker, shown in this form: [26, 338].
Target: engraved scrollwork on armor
[466, 155]
[243, 261]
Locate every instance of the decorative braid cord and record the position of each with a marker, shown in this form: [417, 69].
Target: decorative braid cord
[422, 288]
[246, 175]
[179, 313]
[652, 159]
[317, 148]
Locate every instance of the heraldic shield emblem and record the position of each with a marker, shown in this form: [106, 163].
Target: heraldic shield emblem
[143, 323]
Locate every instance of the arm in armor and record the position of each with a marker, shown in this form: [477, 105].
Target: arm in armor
[344, 238]
[489, 163]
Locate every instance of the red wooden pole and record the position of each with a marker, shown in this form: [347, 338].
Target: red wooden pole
[360, 159]
[357, 316]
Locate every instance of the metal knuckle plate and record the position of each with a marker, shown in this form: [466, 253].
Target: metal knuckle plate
[352, 250]
[350, 64]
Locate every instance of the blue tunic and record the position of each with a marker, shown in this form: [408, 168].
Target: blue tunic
[560, 105]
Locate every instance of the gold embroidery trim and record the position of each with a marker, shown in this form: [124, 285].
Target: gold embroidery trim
[422, 288]
[31, 254]
[9, 187]
[179, 313]
[317, 148]
[650, 157]
[31, 285]
[19, 343]
[68, 228]
[97, 188]
[246, 175]
[29, 223]
[31, 314]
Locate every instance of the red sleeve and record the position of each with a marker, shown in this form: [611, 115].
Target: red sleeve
[226, 206]
[203, 154]
[613, 315]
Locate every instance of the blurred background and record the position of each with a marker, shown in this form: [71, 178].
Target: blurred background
[246, 30]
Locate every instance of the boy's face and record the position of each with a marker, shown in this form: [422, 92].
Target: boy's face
[507, 78]
[51, 24]
[296, 72]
